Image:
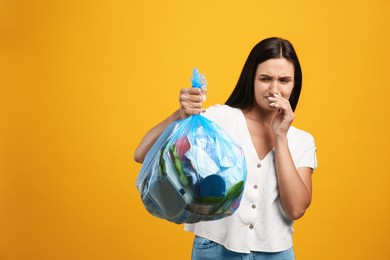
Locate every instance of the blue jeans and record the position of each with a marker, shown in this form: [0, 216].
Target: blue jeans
[204, 249]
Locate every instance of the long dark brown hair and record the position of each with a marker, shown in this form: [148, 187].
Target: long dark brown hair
[243, 94]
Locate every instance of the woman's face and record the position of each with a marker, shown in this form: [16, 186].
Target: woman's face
[273, 76]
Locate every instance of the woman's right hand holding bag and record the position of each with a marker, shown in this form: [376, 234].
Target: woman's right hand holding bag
[191, 100]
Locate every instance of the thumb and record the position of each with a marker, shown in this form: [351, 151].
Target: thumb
[204, 93]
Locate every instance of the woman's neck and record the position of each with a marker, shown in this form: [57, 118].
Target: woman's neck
[260, 116]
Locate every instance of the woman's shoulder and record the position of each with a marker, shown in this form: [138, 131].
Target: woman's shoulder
[299, 134]
[218, 108]
[222, 114]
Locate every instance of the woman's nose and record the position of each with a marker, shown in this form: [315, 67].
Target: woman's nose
[274, 87]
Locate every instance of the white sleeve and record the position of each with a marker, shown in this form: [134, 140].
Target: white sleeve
[309, 158]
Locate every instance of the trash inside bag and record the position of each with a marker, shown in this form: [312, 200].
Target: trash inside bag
[194, 172]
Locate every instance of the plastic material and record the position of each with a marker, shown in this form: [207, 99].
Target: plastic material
[194, 172]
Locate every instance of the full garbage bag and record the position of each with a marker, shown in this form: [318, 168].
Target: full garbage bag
[194, 172]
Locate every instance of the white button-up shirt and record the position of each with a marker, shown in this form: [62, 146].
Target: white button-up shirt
[260, 223]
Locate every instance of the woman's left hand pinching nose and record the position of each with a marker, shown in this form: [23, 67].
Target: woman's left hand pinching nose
[284, 117]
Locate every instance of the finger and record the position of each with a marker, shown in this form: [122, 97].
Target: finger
[191, 95]
[190, 90]
[191, 99]
[191, 111]
[279, 102]
[276, 97]
[188, 108]
[204, 93]
[283, 109]
[191, 105]
[194, 90]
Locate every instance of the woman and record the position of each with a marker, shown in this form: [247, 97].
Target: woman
[280, 158]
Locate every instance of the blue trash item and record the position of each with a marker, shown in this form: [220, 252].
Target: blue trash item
[194, 172]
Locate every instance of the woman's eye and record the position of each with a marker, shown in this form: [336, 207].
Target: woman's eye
[285, 80]
[265, 79]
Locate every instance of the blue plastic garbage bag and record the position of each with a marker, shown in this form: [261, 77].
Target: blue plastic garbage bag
[194, 172]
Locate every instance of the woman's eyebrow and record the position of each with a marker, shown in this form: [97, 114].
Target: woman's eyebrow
[282, 77]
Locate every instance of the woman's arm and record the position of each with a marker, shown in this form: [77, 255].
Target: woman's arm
[190, 103]
[152, 135]
[295, 186]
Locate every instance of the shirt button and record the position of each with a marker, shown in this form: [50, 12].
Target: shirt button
[258, 165]
[251, 226]
[255, 186]
[253, 206]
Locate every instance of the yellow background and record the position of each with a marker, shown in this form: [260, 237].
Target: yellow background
[82, 81]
